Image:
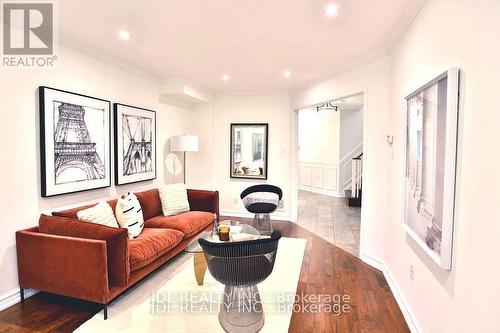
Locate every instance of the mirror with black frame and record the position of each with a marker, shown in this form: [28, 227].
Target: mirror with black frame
[249, 144]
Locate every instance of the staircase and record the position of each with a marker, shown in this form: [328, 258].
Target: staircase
[353, 201]
[354, 192]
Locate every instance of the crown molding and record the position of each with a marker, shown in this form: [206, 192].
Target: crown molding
[406, 19]
[410, 13]
[180, 80]
[340, 70]
[106, 57]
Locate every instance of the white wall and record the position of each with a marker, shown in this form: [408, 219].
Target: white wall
[273, 108]
[445, 34]
[373, 79]
[201, 164]
[319, 139]
[351, 130]
[327, 142]
[21, 203]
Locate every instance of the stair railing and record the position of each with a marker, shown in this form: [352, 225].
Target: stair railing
[357, 175]
[345, 167]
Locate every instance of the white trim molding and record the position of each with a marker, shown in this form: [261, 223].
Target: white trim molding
[398, 295]
[325, 177]
[85, 49]
[322, 191]
[14, 297]
[320, 177]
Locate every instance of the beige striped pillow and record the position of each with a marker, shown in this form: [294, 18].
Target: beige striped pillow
[174, 199]
[102, 213]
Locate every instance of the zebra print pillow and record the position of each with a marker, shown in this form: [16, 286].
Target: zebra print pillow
[129, 215]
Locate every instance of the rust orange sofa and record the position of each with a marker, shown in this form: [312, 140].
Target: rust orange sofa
[97, 263]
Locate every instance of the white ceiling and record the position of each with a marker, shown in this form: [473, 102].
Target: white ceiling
[252, 41]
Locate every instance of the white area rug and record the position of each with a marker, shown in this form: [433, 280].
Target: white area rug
[171, 301]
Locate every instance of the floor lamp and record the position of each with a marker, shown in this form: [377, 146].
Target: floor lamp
[184, 143]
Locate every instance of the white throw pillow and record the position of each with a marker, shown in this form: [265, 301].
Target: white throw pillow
[102, 213]
[174, 199]
[129, 215]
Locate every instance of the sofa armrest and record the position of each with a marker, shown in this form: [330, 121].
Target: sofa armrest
[116, 240]
[63, 265]
[205, 201]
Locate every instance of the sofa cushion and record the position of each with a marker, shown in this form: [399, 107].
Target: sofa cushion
[102, 214]
[150, 203]
[151, 244]
[205, 201]
[71, 213]
[116, 242]
[188, 223]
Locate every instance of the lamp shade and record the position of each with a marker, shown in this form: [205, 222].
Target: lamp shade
[184, 143]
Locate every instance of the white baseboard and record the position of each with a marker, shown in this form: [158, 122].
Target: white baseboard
[13, 297]
[403, 305]
[277, 216]
[322, 191]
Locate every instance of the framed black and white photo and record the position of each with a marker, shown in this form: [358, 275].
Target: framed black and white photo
[249, 143]
[431, 148]
[135, 144]
[74, 142]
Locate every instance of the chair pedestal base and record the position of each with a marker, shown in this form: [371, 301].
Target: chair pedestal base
[262, 222]
[241, 310]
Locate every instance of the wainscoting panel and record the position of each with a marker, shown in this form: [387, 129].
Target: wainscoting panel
[331, 179]
[305, 176]
[318, 180]
[320, 177]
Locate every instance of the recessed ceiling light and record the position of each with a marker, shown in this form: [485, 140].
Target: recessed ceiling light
[287, 74]
[124, 35]
[225, 77]
[331, 10]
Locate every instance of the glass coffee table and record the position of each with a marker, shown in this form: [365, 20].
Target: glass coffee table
[239, 232]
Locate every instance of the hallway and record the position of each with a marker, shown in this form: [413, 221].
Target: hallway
[331, 219]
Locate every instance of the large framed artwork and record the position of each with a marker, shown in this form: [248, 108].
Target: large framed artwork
[74, 142]
[135, 144]
[431, 147]
[249, 143]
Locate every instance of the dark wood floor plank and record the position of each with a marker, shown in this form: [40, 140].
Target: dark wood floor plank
[326, 270]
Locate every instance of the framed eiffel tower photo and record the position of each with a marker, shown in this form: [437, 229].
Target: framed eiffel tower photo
[135, 144]
[75, 137]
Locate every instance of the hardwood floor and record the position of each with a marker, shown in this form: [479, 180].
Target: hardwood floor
[327, 271]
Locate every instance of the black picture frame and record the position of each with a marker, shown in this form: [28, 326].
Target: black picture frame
[51, 188]
[120, 178]
[264, 153]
